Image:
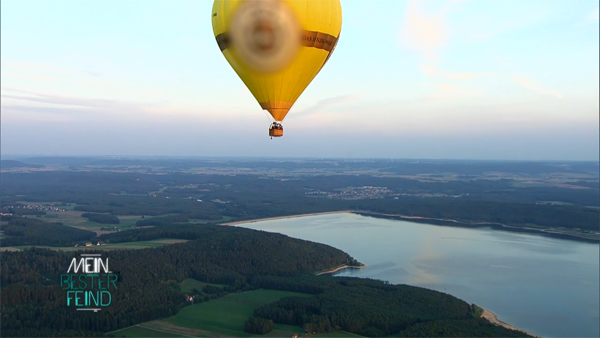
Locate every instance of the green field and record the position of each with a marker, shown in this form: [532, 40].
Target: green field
[218, 317]
[139, 331]
[227, 315]
[190, 284]
[73, 218]
[222, 316]
[116, 246]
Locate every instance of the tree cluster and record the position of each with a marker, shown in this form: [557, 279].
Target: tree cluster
[27, 231]
[101, 218]
[257, 325]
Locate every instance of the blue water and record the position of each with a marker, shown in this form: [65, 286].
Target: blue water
[545, 286]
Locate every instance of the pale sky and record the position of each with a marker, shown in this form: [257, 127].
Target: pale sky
[478, 79]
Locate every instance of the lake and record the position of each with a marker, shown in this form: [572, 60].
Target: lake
[543, 285]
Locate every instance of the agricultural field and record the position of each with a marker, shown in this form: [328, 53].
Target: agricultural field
[117, 246]
[189, 284]
[221, 317]
[73, 219]
[227, 315]
[141, 331]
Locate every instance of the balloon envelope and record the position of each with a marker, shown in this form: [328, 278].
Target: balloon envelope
[277, 47]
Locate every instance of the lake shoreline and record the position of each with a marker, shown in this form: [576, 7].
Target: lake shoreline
[431, 221]
[286, 217]
[492, 318]
[471, 225]
[340, 268]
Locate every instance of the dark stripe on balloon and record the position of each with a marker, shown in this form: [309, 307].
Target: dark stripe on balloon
[308, 39]
[318, 40]
[223, 41]
[332, 49]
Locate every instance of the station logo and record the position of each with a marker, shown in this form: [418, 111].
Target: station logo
[89, 283]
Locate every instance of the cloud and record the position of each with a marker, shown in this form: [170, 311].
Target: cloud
[510, 26]
[12, 114]
[454, 91]
[505, 61]
[53, 99]
[422, 32]
[94, 74]
[14, 75]
[427, 32]
[535, 86]
[435, 72]
[319, 106]
[31, 107]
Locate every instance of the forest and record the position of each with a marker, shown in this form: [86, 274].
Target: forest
[180, 197]
[101, 218]
[180, 201]
[33, 304]
[25, 231]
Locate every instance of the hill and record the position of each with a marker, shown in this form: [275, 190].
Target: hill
[9, 164]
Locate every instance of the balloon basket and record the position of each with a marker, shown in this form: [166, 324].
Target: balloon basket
[276, 132]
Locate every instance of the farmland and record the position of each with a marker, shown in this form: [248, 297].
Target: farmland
[221, 316]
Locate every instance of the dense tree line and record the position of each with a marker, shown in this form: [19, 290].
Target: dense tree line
[183, 218]
[242, 259]
[32, 332]
[101, 218]
[33, 304]
[485, 211]
[252, 196]
[27, 231]
[402, 166]
[257, 325]
[373, 308]
[8, 164]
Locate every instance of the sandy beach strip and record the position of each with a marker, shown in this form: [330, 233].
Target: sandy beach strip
[286, 217]
[9, 249]
[339, 268]
[492, 318]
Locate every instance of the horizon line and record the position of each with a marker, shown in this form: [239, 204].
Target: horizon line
[266, 157]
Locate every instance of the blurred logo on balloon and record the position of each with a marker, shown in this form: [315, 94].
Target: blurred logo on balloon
[265, 35]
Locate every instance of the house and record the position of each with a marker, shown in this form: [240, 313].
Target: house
[88, 244]
[100, 243]
[189, 298]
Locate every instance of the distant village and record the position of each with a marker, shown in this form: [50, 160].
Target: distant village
[370, 192]
[56, 207]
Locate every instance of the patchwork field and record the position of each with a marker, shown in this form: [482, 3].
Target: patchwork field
[73, 218]
[218, 317]
[116, 246]
[227, 315]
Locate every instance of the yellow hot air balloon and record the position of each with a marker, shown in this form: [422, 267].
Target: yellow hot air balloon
[277, 47]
